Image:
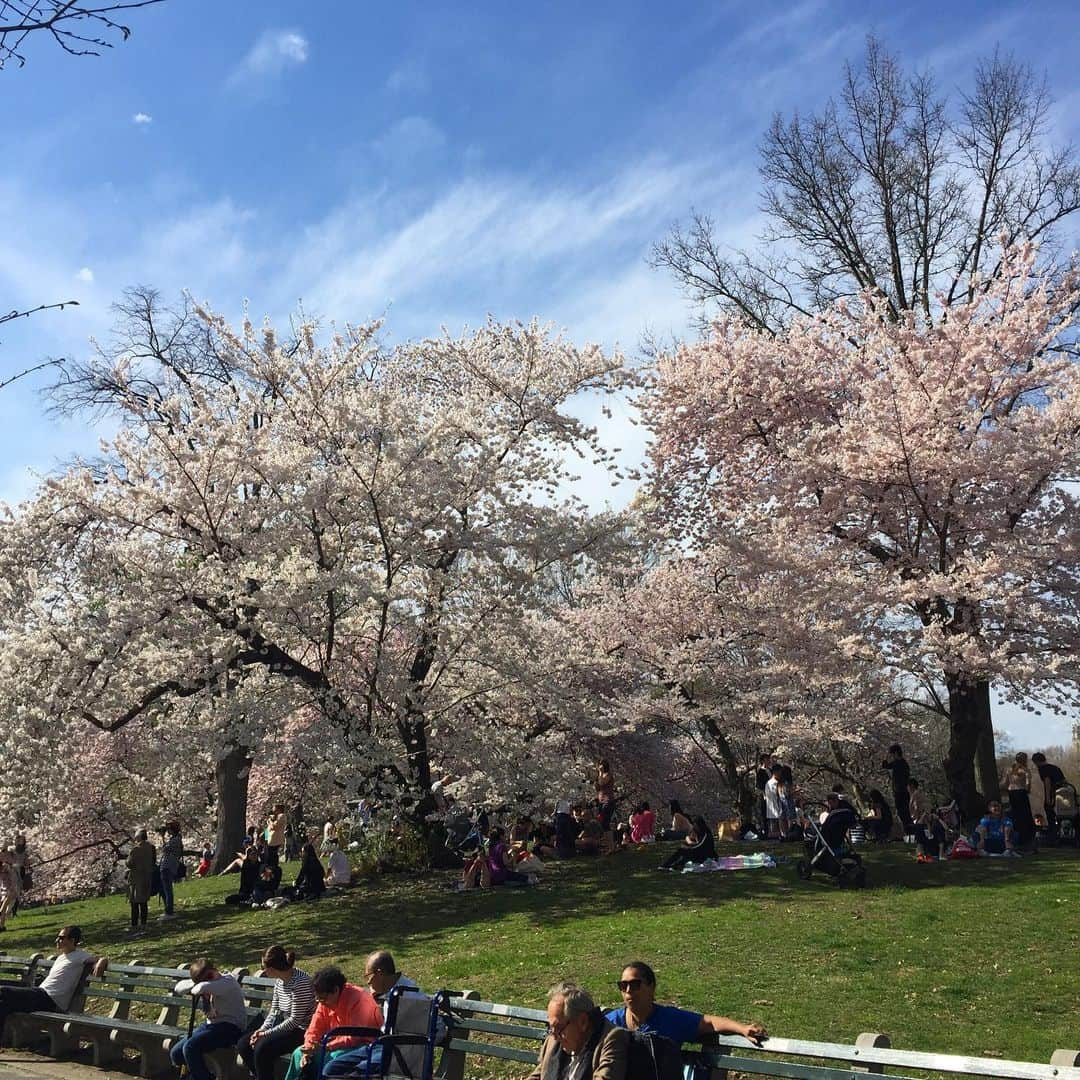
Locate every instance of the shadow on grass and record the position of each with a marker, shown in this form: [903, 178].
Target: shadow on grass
[416, 910]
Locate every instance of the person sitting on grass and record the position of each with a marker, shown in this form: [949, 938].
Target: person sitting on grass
[642, 824]
[696, 848]
[249, 877]
[929, 832]
[501, 861]
[339, 873]
[310, 882]
[879, 824]
[581, 1044]
[223, 1001]
[639, 1012]
[340, 1004]
[382, 976]
[291, 1010]
[56, 990]
[996, 832]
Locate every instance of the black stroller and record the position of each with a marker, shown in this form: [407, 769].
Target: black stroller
[828, 851]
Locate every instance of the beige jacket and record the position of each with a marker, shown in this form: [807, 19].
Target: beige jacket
[608, 1061]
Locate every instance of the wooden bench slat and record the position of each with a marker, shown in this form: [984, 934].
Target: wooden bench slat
[503, 1053]
[517, 1031]
[909, 1059]
[492, 1008]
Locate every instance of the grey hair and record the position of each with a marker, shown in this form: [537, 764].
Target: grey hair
[576, 1000]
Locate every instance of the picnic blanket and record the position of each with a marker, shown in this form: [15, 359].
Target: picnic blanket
[759, 860]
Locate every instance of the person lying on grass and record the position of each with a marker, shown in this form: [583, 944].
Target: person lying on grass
[637, 984]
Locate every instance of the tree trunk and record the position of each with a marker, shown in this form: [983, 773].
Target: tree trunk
[985, 756]
[231, 776]
[969, 715]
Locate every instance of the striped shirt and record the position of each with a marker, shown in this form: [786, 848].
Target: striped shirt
[292, 1005]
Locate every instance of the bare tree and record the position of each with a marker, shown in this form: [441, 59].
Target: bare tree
[892, 187]
[78, 28]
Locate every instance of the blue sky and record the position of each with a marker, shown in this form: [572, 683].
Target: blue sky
[432, 162]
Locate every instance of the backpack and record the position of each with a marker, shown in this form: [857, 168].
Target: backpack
[652, 1057]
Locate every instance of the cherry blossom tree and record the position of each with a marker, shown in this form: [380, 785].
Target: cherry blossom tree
[363, 531]
[919, 465]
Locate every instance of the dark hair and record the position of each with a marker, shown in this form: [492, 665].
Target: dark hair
[674, 807]
[279, 958]
[308, 851]
[895, 749]
[647, 974]
[1038, 757]
[497, 833]
[701, 827]
[73, 932]
[328, 979]
[776, 768]
[644, 806]
[173, 827]
[912, 782]
[604, 764]
[279, 807]
[875, 796]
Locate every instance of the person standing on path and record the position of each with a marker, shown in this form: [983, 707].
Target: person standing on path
[896, 764]
[140, 868]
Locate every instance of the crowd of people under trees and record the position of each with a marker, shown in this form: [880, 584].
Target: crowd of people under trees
[514, 853]
[304, 1010]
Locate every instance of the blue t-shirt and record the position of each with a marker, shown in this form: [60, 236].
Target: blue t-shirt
[678, 1025]
[995, 827]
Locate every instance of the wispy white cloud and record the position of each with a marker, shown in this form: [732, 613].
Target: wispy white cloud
[274, 52]
[409, 138]
[142, 118]
[86, 274]
[407, 78]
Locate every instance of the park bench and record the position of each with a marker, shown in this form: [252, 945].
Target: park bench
[19, 969]
[489, 1030]
[140, 1013]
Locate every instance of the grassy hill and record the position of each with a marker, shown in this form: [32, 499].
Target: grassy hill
[978, 958]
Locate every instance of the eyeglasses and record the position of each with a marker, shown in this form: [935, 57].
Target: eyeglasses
[628, 984]
[556, 1030]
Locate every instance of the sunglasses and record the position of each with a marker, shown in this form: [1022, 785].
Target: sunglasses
[628, 984]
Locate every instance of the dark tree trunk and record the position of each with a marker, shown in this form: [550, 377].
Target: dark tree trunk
[986, 770]
[231, 775]
[969, 717]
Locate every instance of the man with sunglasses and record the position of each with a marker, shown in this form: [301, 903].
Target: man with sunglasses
[640, 1012]
[581, 1044]
[56, 990]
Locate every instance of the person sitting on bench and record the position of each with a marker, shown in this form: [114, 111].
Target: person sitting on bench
[226, 1017]
[59, 986]
[381, 975]
[341, 1004]
[580, 1043]
[637, 984]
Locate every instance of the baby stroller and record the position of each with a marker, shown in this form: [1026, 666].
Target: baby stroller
[828, 852]
[1067, 811]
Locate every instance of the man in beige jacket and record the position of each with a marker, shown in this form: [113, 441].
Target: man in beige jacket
[581, 1044]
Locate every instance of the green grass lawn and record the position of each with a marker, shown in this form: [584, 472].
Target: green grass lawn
[970, 957]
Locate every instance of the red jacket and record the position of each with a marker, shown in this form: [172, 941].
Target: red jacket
[355, 1008]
